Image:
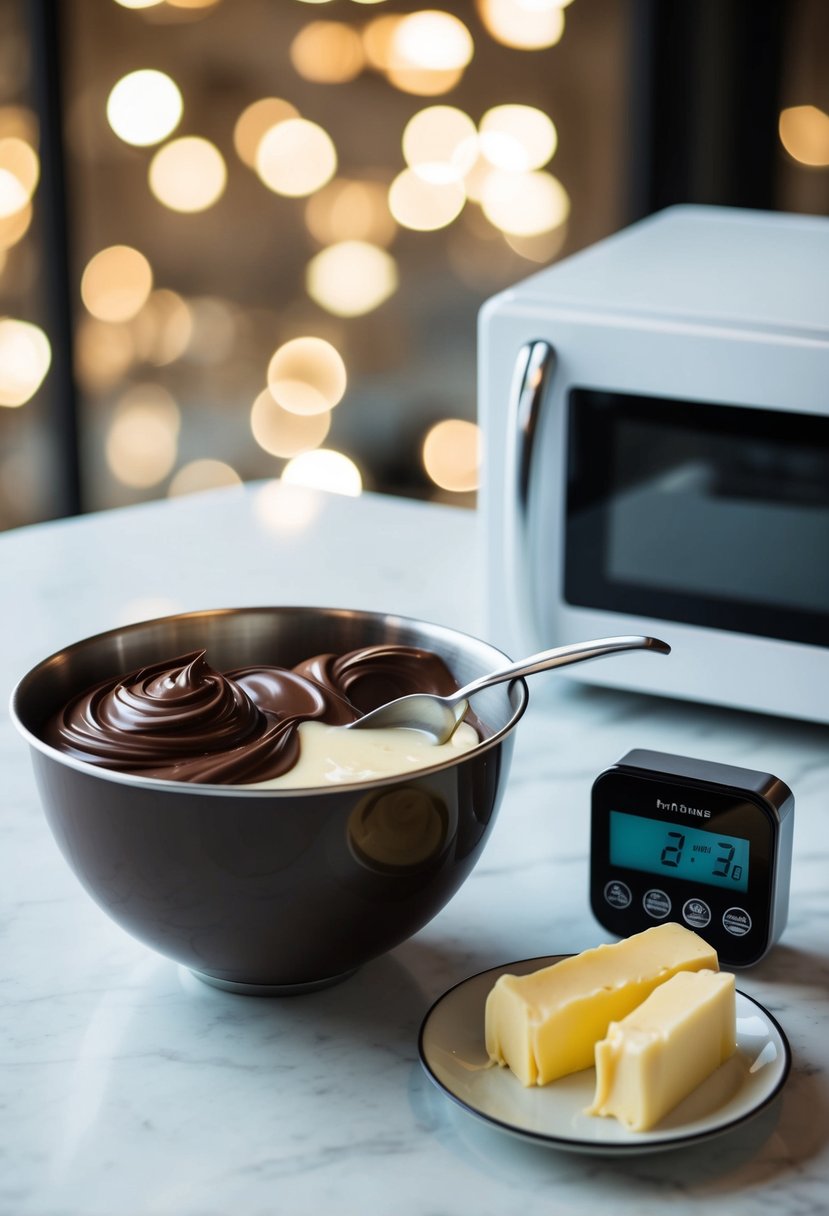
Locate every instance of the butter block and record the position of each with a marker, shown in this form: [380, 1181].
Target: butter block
[546, 1025]
[665, 1048]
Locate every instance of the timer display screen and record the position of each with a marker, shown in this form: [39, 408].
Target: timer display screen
[669, 849]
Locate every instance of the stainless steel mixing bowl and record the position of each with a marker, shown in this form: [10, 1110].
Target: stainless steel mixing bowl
[269, 891]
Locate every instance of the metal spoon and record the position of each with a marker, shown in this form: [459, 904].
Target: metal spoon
[439, 717]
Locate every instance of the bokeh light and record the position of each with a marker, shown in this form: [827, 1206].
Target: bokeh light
[25, 356]
[188, 174]
[19, 122]
[431, 40]
[804, 133]
[351, 278]
[542, 247]
[116, 283]
[328, 52]
[348, 221]
[424, 52]
[19, 173]
[524, 25]
[281, 433]
[12, 194]
[524, 204]
[15, 226]
[254, 121]
[201, 475]
[163, 328]
[476, 178]
[144, 107]
[452, 455]
[138, 4]
[378, 39]
[440, 144]
[424, 206]
[324, 469]
[517, 138]
[296, 157]
[348, 210]
[193, 4]
[142, 442]
[424, 82]
[104, 351]
[307, 376]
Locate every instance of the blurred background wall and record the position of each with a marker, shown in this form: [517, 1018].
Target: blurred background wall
[242, 239]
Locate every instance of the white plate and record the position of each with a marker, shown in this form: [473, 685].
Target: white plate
[453, 1053]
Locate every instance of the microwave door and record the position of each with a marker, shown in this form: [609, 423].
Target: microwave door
[708, 515]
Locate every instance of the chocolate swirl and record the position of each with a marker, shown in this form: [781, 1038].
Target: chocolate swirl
[374, 675]
[182, 720]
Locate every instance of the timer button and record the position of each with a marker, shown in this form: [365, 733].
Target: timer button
[617, 894]
[696, 913]
[656, 903]
[736, 921]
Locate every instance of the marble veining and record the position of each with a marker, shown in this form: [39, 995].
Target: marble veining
[128, 1086]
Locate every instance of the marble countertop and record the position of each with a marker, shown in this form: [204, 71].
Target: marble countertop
[128, 1086]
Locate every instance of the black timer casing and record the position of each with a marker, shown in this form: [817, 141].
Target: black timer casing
[752, 809]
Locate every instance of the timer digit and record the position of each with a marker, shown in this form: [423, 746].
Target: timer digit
[672, 852]
[725, 862]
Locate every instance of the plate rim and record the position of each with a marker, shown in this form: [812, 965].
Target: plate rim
[595, 1147]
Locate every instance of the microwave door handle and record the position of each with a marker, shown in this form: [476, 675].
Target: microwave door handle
[530, 382]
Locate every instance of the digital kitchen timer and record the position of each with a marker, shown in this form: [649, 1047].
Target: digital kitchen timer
[707, 845]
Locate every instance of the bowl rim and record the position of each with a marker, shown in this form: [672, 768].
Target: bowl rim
[225, 789]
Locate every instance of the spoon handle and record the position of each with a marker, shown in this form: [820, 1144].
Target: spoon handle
[562, 656]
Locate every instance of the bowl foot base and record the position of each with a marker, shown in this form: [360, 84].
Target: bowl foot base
[271, 989]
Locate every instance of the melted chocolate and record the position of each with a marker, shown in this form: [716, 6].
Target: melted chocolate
[181, 720]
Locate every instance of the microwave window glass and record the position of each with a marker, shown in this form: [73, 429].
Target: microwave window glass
[714, 515]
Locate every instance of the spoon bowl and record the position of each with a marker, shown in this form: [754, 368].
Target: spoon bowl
[439, 717]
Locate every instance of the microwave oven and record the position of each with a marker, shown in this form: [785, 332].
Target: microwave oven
[655, 422]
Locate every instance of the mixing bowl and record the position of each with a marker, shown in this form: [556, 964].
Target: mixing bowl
[269, 891]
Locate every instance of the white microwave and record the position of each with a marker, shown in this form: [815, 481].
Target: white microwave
[655, 417]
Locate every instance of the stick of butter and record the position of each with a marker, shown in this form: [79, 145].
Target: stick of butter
[546, 1025]
[665, 1048]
